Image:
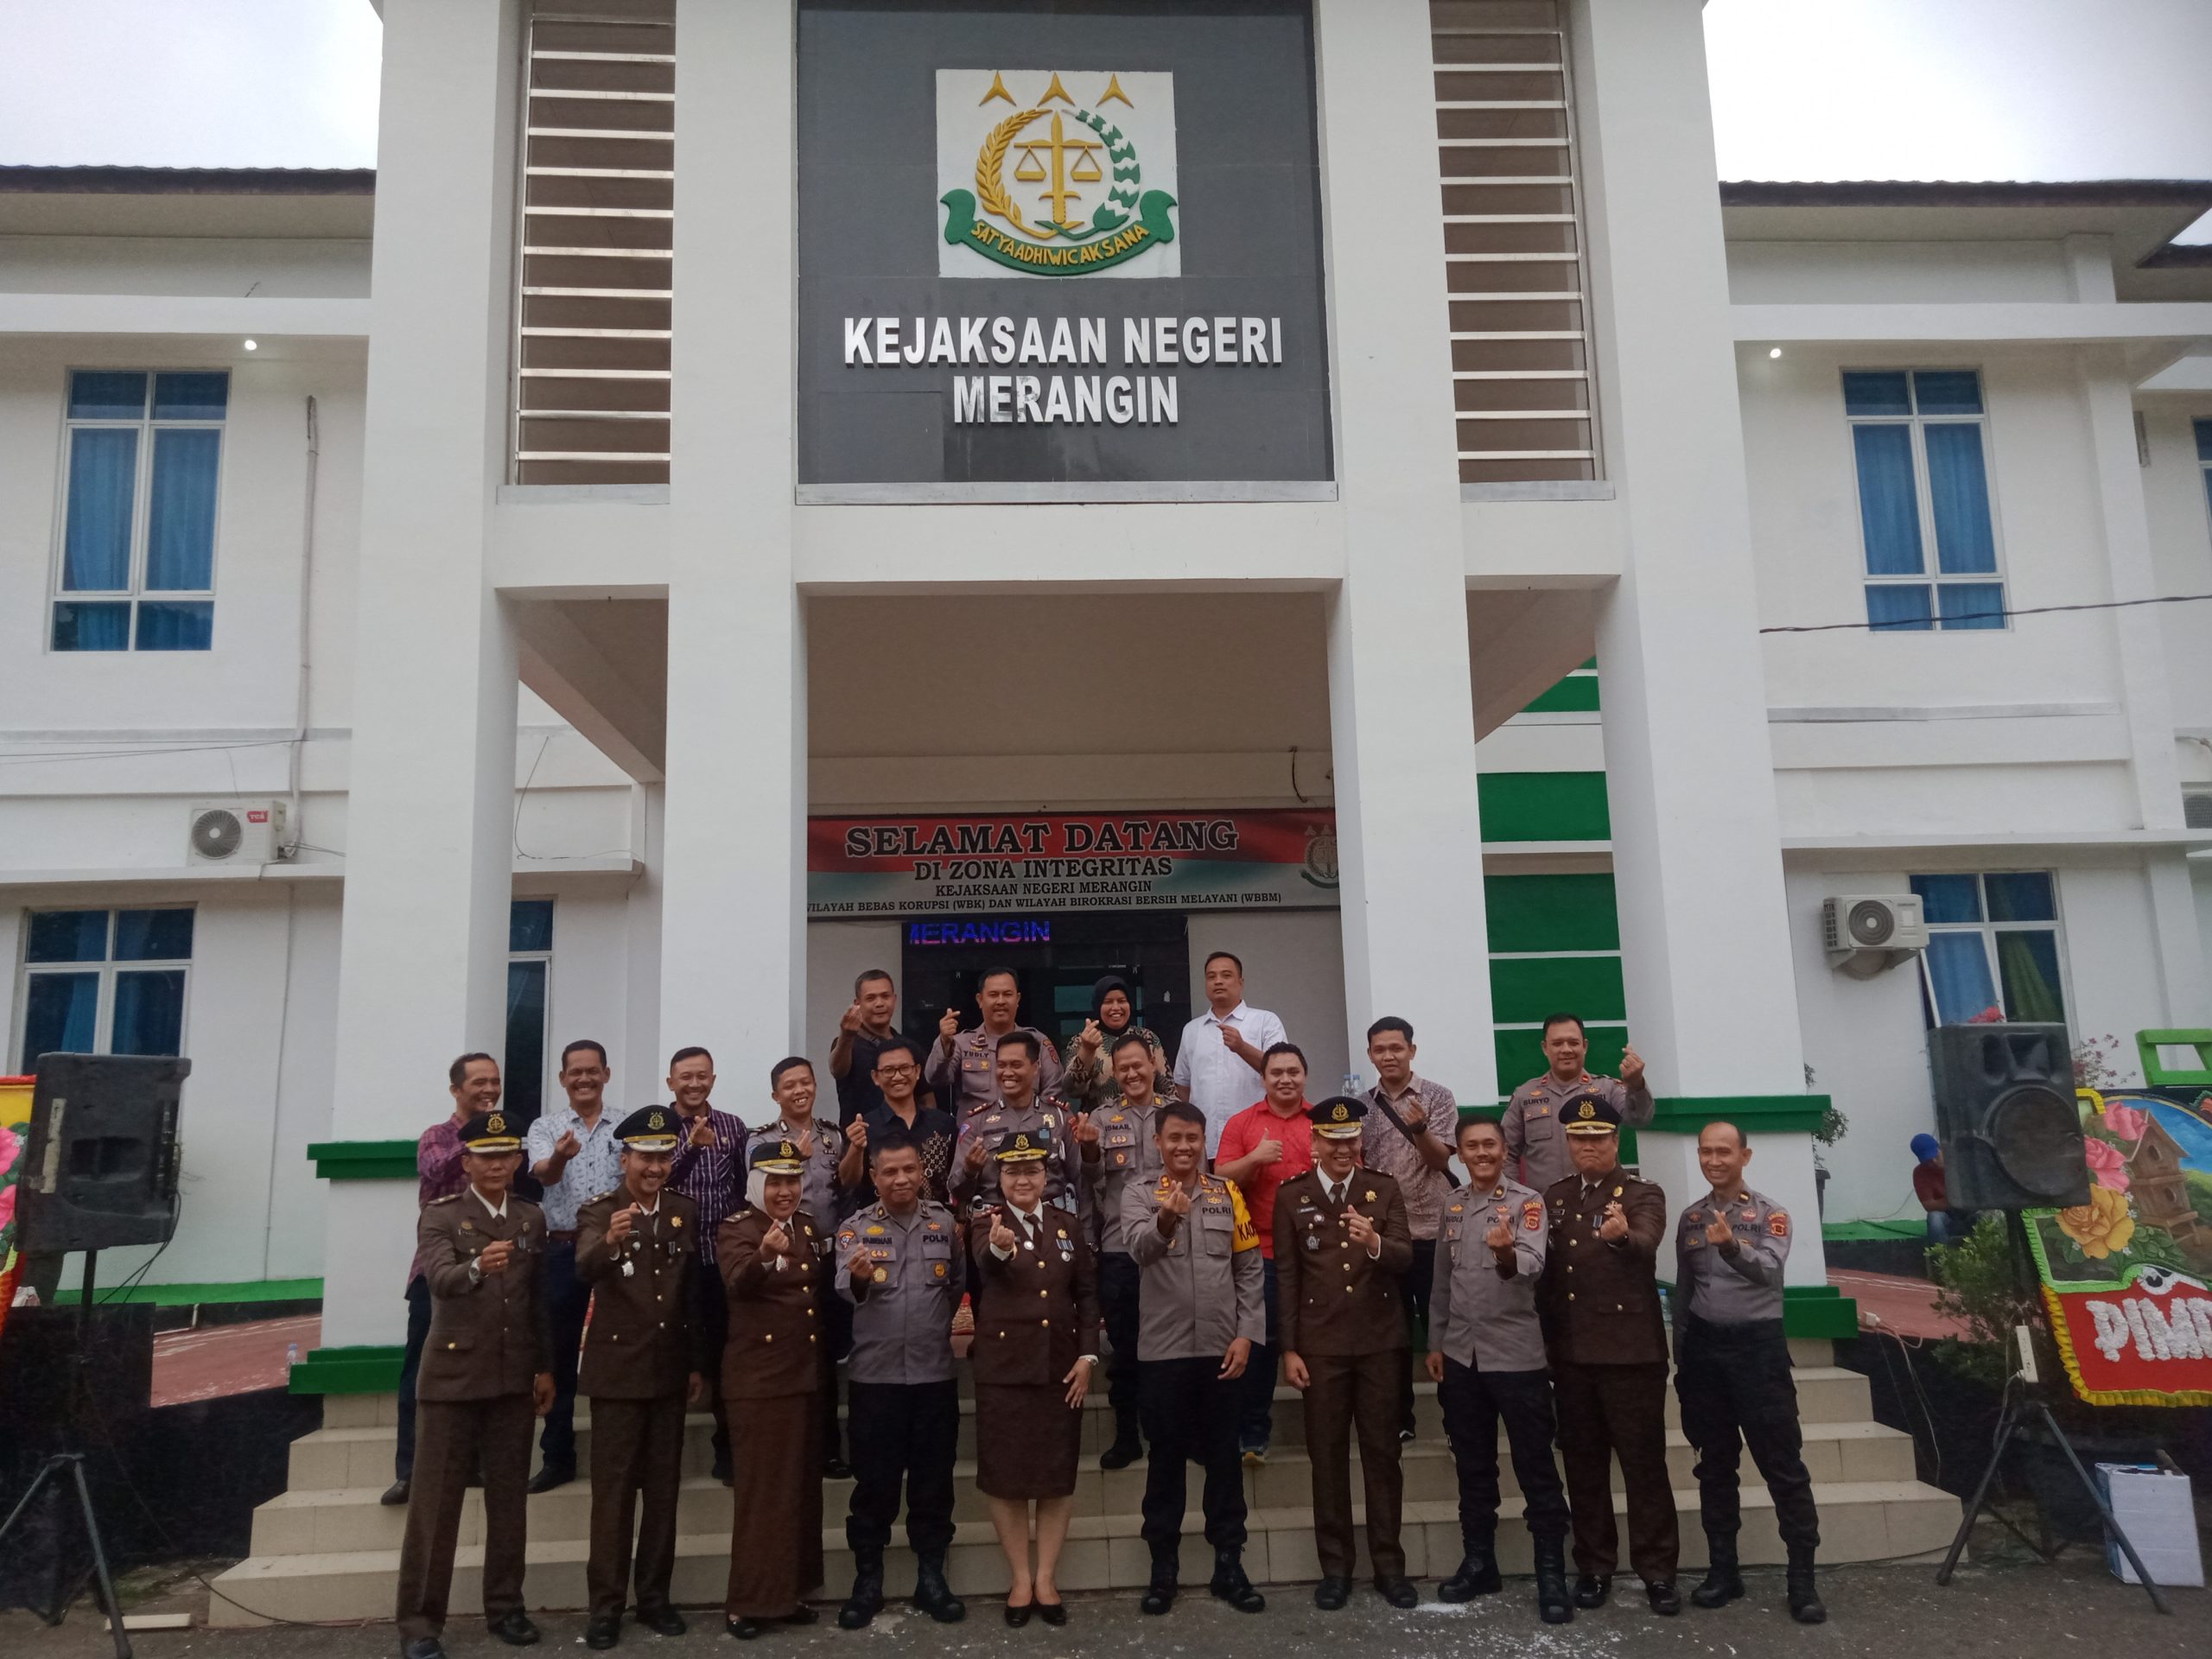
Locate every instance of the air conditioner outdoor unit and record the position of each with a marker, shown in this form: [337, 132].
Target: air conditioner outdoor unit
[1865, 933]
[235, 832]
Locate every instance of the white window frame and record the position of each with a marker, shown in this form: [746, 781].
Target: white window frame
[141, 504]
[1989, 931]
[1925, 498]
[107, 968]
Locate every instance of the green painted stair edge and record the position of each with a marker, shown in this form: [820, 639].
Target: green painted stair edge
[2158, 1074]
[367, 1370]
[1819, 1310]
[363, 1160]
[203, 1295]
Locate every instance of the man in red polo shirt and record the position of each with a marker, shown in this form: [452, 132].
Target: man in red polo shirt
[1263, 1145]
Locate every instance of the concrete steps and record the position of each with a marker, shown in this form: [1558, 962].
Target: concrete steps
[327, 1549]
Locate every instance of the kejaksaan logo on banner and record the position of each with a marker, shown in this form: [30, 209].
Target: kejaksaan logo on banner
[1057, 172]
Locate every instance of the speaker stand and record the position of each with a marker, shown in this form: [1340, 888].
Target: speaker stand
[69, 1465]
[2023, 1401]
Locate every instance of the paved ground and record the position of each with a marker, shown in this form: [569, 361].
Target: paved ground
[2009, 1608]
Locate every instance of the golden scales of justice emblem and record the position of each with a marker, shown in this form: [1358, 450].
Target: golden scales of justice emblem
[1081, 159]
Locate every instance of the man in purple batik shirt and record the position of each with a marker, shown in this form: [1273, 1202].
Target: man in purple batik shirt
[473, 1081]
[709, 1171]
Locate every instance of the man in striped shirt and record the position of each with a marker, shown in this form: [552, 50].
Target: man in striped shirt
[709, 1170]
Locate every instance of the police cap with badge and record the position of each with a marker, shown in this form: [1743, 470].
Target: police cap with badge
[650, 1129]
[1337, 1118]
[1590, 1114]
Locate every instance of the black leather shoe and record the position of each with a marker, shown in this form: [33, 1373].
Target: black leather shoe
[661, 1621]
[1331, 1594]
[1722, 1585]
[1018, 1617]
[932, 1594]
[1128, 1444]
[394, 1494]
[1398, 1592]
[1591, 1590]
[1663, 1598]
[602, 1633]
[1478, 1576]
[1805, 1604]
[423, 1646]
[745, 1630]
[514, 1629]
[551, 1476]
[836, 1469]
[1231, 1585]
[1553, 1605]
[1052, 1612]
[1160, 1594]
[721, 1471]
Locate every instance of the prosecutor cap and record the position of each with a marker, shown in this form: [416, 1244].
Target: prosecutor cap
[775, 1158]
[490, 1132]
[1338, 1117]
[650, 1129]
[1025, 1145]
[1589, 1114]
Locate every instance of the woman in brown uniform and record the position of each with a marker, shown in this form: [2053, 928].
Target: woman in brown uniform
[1036, 1343]
[772, 1264]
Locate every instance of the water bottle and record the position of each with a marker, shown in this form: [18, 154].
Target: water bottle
[291, 1357]
[1351, 1082]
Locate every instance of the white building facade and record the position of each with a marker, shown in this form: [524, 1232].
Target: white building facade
[566, 567]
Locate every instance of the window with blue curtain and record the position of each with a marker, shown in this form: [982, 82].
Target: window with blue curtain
[529, 968]
[1993, 943]
[143, 463]
[1919, 444]
[104, 981]
[2204, 455]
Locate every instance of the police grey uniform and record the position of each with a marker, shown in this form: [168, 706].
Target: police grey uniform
[1731, 1373]
[1535, 1143]
[1064, 1188]
[1127, 1154]
[967, 1077]
[903, 1404]
[1202, 1290]
[1482, 1319]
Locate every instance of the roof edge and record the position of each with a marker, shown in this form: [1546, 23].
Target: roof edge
[1957, 193]
[189, 181]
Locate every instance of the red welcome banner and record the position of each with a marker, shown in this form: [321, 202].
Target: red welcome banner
[2125, 1274]
[931, 864]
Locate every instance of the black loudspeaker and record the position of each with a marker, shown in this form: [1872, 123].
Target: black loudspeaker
[2007, 1114]
[101, 1168]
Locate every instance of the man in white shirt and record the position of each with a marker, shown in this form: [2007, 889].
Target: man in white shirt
[1218, 1063]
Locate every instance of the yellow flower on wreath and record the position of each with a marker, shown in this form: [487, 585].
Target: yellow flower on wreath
[2101, 1226]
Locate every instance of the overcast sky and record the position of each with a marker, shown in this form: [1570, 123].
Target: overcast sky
[1802, 89]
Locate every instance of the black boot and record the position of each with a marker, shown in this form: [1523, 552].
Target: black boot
[1128, 1444]
[1723, 1583]
[932, 1594]
[1478, 1576]
[1160, 1594]
[867, 1599]
[1804, 1599]
[1553, 1602]
[1230, 1584]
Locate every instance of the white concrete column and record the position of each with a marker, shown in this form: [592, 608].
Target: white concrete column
[428, 837]
[732, 957]
[1697, 861]
[1401, 700]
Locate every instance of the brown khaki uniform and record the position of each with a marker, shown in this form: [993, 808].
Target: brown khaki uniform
[772, 1377]
[1599, 1302]
[1343, 1313]
[640, 1353]
[488, 1345]
[1036, 1314]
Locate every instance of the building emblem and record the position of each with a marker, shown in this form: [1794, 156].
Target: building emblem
[1321, 866]
[1047, 186]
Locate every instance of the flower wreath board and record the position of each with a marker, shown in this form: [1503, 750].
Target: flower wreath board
[2125, 1275]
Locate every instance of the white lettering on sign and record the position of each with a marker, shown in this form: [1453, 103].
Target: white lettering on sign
[1077, 400]
[2183, 1330]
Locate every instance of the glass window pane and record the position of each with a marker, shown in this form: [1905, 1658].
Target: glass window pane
[176, 625]
[102, 479]
[1876, 392]
[91, 627]
[2027, 959]
[2021, 896]
[2204, 439]
[61, 1015]
[1957, 971]
[180, 511]
[153, 935]
[523, 1068]
[1889, 500]
[1964, 604]
[1896, 607]
[530, 925]
[148, 1013]
[103, 395]
[191, 397]
[1949, 897]
[1948, 391]
[1958, 489]
[67, 936]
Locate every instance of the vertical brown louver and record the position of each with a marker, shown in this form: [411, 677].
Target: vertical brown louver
[599, 183]
[1513, 241]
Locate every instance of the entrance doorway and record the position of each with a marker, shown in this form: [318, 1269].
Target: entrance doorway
[1057, 959]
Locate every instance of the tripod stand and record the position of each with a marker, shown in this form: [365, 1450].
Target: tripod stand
[2022, 1402]
[68, 1465]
